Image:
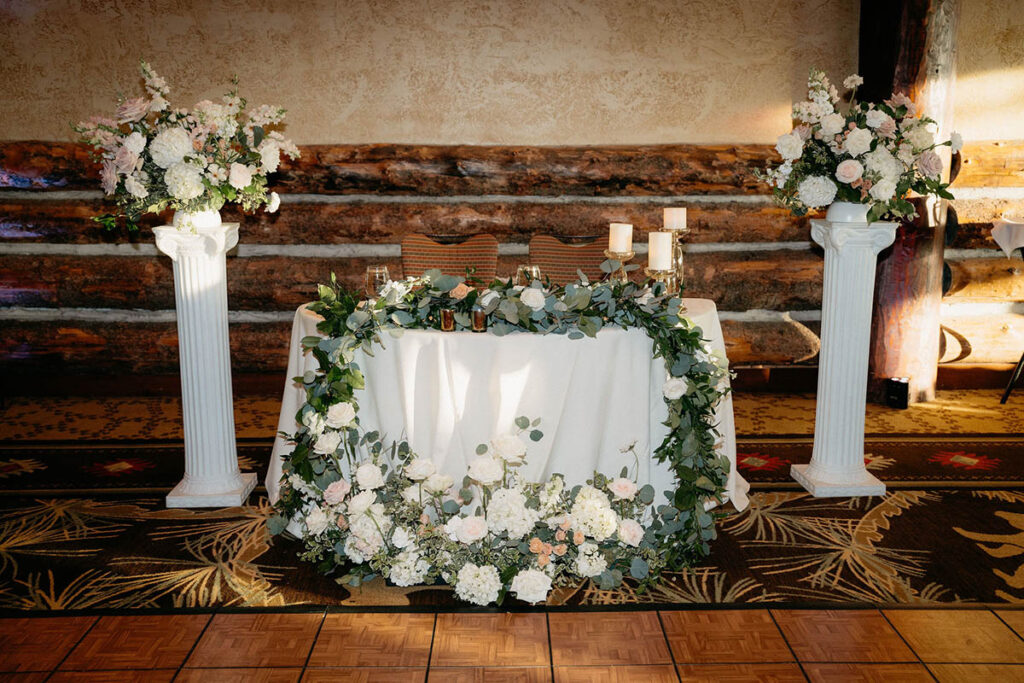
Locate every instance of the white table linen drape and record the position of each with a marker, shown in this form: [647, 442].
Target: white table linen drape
[449, 391]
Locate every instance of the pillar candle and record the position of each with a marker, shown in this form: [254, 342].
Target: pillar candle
[659, 250]
[675, 218]
[620, 237]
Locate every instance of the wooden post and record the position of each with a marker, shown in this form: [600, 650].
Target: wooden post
[913, 54]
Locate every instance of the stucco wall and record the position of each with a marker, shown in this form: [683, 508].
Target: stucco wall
[437, 71]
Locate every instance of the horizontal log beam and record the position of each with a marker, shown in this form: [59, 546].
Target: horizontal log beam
[779, 280]
[52, 348]
[70, 222]
[982, 339]
[975, 218]
[449, 169]
[998, 163]
[987, 279]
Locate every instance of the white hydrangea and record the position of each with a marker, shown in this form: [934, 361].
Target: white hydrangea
[592, 514]
[816, 191]
[479, 585]
[790, 146]
[184, 181]
[368, 530]
[507, 512]
[531, 585]
[170, 146]
[590, 562]
[409, 568]
[882, 163]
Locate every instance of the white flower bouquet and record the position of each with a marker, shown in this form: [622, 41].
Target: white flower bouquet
[384, 511]
[858, 152]
[155, 158]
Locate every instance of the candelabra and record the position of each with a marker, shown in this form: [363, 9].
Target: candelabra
[669, 278]
[623, 257]
[677, 251]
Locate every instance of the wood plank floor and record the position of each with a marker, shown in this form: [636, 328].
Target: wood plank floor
[686, 645]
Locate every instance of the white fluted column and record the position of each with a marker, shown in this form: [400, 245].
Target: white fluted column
[212, 477]
[837, 461]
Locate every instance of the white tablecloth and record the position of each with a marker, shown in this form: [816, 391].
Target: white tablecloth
[449, 391]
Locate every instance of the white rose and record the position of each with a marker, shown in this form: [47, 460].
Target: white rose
[790, 146]
[674, 388]
[466, 530]
[369, 476]
[340, 415]
[816, 191]
[412, 494]
[486, 470]
[273, 202]
[402, 538]
[533, 297]
[438, 483]
[419, 469]
[239, 176]
[622, 488]
[832, 124]
[327, 443]
[361, 502]
[858, 141]
[531, 585]
[479, 585]
[849, 170]
[956, 142]
[336, 491]
[630, 532]
[184, 181]
[316, 522]
[170, 146]
[510, 448]
[883, 190]
[135, 142]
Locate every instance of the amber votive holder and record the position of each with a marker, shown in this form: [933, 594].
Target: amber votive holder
[447, 320]
[479, 319]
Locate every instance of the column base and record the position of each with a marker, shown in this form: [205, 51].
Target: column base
[866, 484]
[181, 497]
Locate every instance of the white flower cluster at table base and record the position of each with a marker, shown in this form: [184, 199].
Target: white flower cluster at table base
[153, 157]
[386, 512]
[858, 152]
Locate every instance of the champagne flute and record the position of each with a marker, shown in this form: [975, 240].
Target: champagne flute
[376, 278]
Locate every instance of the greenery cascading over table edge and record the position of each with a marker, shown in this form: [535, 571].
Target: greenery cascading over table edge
[678, 533]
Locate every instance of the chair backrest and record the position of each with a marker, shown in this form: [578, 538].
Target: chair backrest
[560, 261]
[420, 254]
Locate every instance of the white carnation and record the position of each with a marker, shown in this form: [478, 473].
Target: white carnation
[438, 483]
[340, 415]
[419, 469]
[882, 163]
[507, 512]
[273, 202]
[270, 155]
[486, 470]
[369, 476]
[479, 585]
[239, 176]
[816, 191]
[533, 297]
[590, 562]
[790, 146]
[184, 181]
[317, 521]
[169, 147]
[327, 443]
[413, 494]
[510, 448]
[352, 552]
[858, 141]
[956, 142]
[135, 143]
[531, 585]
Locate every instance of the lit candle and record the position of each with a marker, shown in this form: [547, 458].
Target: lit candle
[675, 218]
[659, 250]
[620, 238]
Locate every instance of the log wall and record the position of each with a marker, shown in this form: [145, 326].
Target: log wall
[74, 299]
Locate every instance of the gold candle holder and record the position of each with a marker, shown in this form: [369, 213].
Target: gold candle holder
[677, 251]
[447, 320]
[623, 257]
[668, 277]
[479, 317]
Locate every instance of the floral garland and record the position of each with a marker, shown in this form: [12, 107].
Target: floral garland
[377, 508]
[859, 152]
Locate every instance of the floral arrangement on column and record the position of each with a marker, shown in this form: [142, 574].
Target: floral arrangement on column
[859, 152]
[154, 157]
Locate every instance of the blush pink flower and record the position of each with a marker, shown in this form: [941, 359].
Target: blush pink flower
[132, 110]
[461, 290]
[930, 164]
[125, 160]
[108, 177]
[336, 492]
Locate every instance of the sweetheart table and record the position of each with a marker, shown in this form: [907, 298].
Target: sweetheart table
[449, 391]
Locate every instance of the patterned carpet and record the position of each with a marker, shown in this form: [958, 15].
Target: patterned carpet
[83, 526]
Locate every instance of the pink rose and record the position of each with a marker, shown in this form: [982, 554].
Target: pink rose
[630, 532]
[130, 111]
[887, 128]
[461, 291]
[336, 492]
[125, 160]
[848, 171]
[622, 488]
[929, 164]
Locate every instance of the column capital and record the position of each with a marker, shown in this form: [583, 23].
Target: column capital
[837, 236]
[201, 241]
